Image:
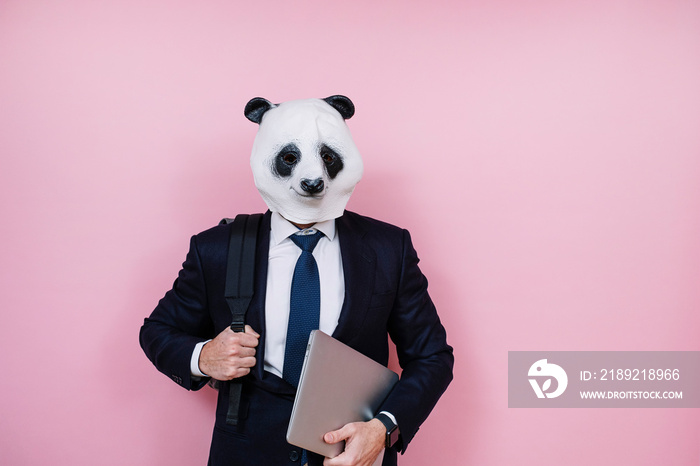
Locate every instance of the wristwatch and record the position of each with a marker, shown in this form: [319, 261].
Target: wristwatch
[392, 430]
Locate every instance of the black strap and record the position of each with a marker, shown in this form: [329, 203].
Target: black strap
[240, 275]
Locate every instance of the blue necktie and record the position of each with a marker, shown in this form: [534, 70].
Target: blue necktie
[304, 306]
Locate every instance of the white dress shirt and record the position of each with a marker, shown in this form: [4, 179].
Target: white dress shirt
[282, 258]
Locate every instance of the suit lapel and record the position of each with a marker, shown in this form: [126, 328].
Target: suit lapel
[359, 263]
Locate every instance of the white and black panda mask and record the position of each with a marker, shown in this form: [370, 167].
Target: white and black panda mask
[305, 163]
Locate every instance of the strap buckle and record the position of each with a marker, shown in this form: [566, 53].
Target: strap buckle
[238, 326]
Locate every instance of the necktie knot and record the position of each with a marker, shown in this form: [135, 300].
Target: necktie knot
[307, 242]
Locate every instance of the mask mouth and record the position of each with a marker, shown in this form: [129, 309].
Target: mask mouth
[307, 195]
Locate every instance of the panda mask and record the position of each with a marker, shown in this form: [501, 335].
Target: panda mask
[305, 163]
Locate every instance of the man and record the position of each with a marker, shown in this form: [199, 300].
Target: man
[350, 276]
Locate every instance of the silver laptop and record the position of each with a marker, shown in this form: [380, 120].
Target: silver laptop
[338, 385]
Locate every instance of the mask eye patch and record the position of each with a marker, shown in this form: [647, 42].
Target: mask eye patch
[285, 160]
[331, 160]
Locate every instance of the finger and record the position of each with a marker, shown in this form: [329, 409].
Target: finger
[236, 373]
[343, 459]
[246, 362]
[339, 435]
[249, 330]
[241, 368]
[239, 338]
[242, 351]
[250, 340]
[330, 461]
[247, 338]
[336, 461]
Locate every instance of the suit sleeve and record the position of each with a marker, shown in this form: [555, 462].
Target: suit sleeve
[421, 344]
[180, 321]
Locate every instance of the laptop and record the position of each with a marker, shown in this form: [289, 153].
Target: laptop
[338, 385]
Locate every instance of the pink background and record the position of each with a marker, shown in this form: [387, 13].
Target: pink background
[545, 156]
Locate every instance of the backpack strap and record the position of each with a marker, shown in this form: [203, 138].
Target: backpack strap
[240, 275]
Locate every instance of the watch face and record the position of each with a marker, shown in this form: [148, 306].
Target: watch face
[392, 436]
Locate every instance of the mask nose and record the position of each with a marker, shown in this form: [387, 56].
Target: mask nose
[312, 186]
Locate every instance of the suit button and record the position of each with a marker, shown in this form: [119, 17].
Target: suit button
[294, 455]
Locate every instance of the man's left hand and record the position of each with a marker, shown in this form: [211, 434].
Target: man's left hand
[364, 442]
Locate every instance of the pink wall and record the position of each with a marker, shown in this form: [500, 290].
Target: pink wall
[556, 145]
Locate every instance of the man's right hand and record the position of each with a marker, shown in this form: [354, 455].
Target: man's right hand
[230, 355]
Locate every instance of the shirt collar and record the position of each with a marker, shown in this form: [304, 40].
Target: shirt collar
[281, 228]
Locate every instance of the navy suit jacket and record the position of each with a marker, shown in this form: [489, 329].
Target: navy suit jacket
[385, 294]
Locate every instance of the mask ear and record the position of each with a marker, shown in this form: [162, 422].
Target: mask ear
[341, 103]
[256, 108]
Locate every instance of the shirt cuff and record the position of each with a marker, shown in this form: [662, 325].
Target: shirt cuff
[194, 361]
